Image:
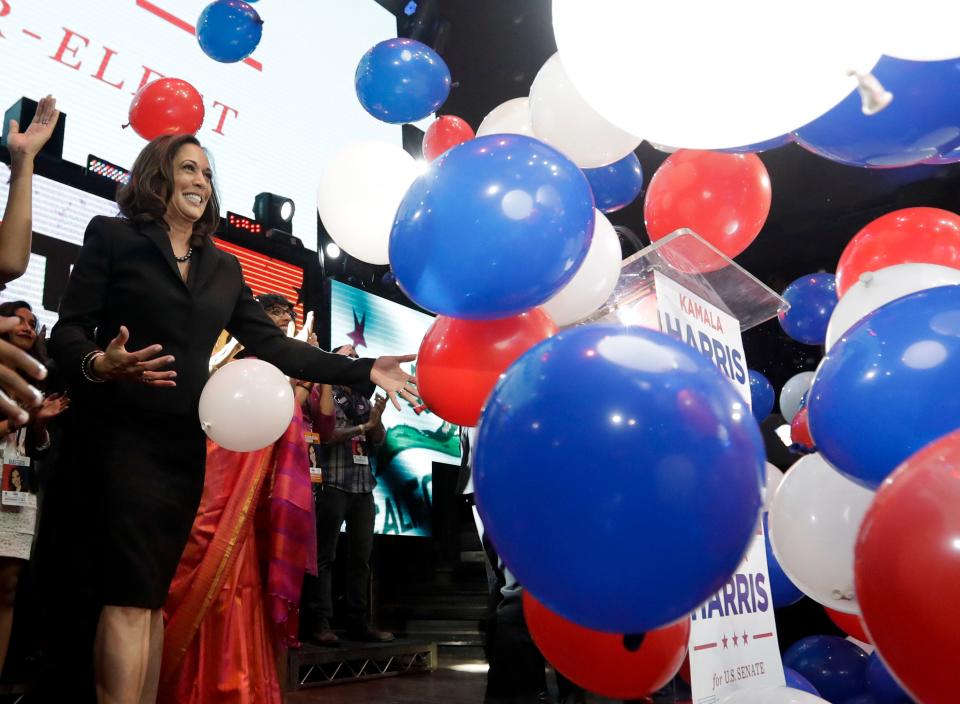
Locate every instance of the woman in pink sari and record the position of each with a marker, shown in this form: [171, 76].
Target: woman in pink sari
[234, 601]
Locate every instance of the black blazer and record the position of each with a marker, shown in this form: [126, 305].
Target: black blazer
[126, 274]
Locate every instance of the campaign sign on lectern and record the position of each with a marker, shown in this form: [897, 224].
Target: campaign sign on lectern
[716, 334]
[733, 638]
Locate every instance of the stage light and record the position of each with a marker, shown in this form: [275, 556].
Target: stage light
[240, 222]
[102, 167]
[333, 251]
[274, 212]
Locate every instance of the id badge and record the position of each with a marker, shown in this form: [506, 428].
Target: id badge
[358, 443]
[16, 482]
[313, 452]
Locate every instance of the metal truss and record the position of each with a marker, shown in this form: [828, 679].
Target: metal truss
[318, 669]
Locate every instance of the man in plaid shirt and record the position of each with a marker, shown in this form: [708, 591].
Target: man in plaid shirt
[346, 494]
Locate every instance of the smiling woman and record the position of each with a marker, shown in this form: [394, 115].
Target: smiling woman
[135, 429]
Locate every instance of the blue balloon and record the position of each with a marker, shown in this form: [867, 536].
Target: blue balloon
[229, 30]
[762, 395]
[833, 665]
[616, 185]
[865, 698]
[402, 80]
[812, 299]
[923, 121]
[882, 685]
[496, 226]
[797, 681]
[884, 391]
[782, 590]
[763, 146]
[600, 458]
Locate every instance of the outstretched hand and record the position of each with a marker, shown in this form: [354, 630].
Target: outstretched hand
[27, 144]
[143, 365]
[389, 376]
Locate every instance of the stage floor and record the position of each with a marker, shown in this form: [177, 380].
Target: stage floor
[454, 682]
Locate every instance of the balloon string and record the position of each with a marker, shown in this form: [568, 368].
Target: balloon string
[874, 97]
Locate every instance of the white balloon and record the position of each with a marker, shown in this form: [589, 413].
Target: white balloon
[562, 119]
[594, 281]
[772, 695]
[511, 117]
[876, 288]
[774, 478]
[360, 190]
[911, 34]
[792, 394]
[710, 75]
[246, 405]
[814, 520]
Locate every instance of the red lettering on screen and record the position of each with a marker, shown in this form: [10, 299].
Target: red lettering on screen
[108, 53]
[65, 48]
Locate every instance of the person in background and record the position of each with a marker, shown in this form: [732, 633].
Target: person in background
[16, 233]
[26, 442]
[516, 674]
[222, 650]
[145, 303]
[346, 494]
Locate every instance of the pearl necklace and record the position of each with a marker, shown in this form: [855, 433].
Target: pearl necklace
[186, 257]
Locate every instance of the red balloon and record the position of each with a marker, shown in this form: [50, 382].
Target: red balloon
[908, 236]
[800, 429]
[445, 132]
[849, 624]
[166, 106]
[609, 664]
[724, 198]
[460, 360]
[907, 571]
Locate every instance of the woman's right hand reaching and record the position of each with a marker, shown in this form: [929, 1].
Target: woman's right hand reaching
[116, 363]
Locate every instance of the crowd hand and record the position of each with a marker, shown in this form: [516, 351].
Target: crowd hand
[143, 365]
[14, 391]
[52, 406]
[379, 404]
[389, 376]
[306, 333]
[27, 144]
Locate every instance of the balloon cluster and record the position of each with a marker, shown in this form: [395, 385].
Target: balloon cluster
[866, 525]
[843, 101]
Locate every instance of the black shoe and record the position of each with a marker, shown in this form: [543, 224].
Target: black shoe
[369, 635]
[324, 635]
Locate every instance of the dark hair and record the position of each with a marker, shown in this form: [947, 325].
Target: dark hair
[9, 309]
[269, 300]
[144, 198]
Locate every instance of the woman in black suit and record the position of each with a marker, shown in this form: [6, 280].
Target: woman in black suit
[154, 282]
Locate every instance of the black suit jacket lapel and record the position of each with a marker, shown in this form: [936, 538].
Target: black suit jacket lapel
[205, 264]
[158, 235]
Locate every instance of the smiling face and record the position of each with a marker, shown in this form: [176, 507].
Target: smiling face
[25, 334]
[192, 186]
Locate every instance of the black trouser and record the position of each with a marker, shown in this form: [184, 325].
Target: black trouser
[333, 507]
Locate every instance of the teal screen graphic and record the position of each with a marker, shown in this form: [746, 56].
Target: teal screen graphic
[403, 465]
